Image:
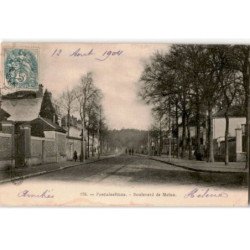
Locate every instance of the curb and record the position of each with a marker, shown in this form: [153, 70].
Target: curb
[194, 169]
[46, 172]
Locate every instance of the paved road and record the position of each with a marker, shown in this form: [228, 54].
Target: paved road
[134, 170]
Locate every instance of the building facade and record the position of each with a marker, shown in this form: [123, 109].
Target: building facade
[26, 138]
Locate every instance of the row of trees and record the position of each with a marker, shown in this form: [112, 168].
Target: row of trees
[84, 101]
[191, 82]
[127, 139]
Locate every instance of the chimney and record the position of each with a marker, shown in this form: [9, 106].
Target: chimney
[60, 121]
[39, 93]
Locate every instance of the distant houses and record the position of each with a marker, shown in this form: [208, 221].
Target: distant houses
[237, 140]
[73, 126]
[236, 137]
[31, 131]
[237, 119]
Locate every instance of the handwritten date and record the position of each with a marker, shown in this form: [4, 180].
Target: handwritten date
[78, 53]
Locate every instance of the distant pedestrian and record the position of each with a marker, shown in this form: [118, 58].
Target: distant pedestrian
[126, 151]
[199, 154]
[75, 156]
[132, 151]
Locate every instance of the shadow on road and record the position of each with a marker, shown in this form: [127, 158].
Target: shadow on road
[136, 170]
[158, 176]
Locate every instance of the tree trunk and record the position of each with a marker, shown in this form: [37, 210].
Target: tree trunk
[160, 142]
[226, 139]
[189, 141]
[68, 121]
[88, 146]
[210, 137]
[247, 104]
[184, 128]
[157, 146]
[198, 129]
[82, 158]
[246, 78]
[93, 139]
[177, 132]
[101, 145]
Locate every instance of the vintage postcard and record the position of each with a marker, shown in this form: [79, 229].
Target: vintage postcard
[95, 124]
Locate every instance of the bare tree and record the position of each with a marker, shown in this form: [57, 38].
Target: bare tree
[68, 104]
[193, 80]
[87, 95]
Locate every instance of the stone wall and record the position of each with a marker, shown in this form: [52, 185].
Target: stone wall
[22, 149]
[36, 150]
[5, 150]
[48, 150]
[42, 150]
[61, 146]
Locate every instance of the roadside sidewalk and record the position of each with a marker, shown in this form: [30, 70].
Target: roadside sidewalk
[18, 174]
[202, 166]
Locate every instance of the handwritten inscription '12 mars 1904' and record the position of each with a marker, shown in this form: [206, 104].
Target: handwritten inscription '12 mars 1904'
[78, 53]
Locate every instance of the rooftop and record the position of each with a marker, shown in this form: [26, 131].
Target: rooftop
[3, 114]
[22, 109]
[48, 125]
[234, 111]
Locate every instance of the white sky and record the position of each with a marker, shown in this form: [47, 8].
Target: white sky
[116, 76]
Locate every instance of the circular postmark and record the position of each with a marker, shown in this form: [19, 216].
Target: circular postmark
[18, 181]
[16, 178]
[21, 68]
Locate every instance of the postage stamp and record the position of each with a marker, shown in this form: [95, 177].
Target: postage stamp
[21, 68]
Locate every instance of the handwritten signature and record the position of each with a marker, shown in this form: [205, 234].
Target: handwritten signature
[46, 194]
[79, 53]
[205, 193]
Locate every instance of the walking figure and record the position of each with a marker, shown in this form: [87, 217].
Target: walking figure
[75, 156]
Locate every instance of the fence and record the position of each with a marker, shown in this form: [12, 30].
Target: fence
[5, 150]
[18, 148]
